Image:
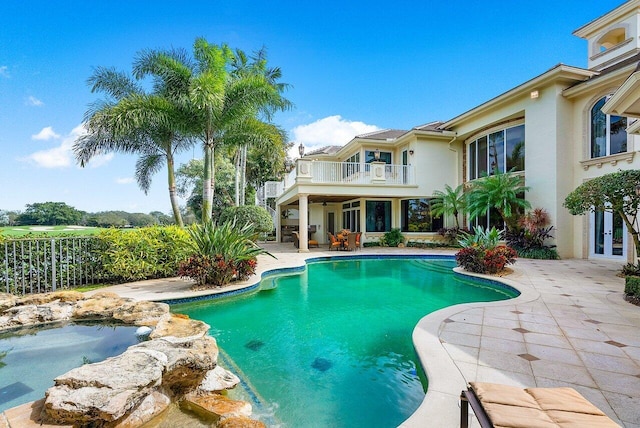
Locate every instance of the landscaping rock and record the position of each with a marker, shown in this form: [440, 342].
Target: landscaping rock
[42, 298]
[218, 379]
[153, 404]
[141, 312]
[179, 329]
[99, 307]
[36, 314]
[185, 365]
[216, 405]
[240, 422]
[7, 301]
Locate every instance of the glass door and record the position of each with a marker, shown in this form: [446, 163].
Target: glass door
[608, 235]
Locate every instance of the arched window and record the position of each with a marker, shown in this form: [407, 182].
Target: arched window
[608, 133]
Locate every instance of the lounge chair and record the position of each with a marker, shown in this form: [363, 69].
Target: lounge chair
[512, 407]
[333, 242]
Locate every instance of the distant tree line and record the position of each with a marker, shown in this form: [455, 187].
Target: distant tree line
[59, 213]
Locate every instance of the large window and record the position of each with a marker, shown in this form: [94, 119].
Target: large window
[351, 216]
[417, 216]
[608, 133]
[378, 216]
[500, 151]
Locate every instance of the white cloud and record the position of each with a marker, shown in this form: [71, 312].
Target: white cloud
[45, 134]
[4, 71]
[99, 160]
[124, 180]
[329, 131]
[61, 156]
[33, 101]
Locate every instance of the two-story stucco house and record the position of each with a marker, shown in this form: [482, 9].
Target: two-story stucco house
[552, 130]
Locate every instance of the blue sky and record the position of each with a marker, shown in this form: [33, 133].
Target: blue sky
[354, 67]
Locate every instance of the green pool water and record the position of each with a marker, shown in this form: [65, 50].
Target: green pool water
[331, 346]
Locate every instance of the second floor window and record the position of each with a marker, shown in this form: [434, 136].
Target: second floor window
[501, 151]
[608, 133]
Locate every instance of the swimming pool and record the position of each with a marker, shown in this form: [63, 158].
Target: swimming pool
[31, 357]
[331, 345]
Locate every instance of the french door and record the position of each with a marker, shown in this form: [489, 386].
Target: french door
[608, 235]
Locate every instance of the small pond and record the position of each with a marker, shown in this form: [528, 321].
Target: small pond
[30, 358]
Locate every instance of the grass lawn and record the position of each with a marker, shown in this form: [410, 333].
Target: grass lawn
[19, 231]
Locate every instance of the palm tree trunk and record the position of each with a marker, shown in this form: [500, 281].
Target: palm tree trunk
[243, 179]
[173, 197]
[207, 193]
[238, 163]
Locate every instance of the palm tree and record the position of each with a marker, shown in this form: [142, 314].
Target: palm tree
[501, 191]
[227, 106]
[449, 202]
[153, 125]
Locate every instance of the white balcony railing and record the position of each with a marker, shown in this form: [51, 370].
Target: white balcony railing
[359, 173]
[342, 173]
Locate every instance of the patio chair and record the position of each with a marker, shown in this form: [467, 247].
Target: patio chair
[511, 407]
[312, 243]
[358, 236]
[350, 244]
[333, 242]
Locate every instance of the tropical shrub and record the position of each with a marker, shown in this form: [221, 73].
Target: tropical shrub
[481, 252]
[257, 217]
[530, 236]
[497, 258]
[471, 259]
[221, 253]
[151, 252]
[632, 289]
[484, 238]
[451, 234]
[392, 238]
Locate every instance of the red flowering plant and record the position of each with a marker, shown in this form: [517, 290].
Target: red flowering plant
[481, 252]
[221, 254]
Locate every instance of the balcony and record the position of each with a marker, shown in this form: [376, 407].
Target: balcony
[349, 173]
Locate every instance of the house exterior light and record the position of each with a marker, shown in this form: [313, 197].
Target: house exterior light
[376, 155]
[301, 149]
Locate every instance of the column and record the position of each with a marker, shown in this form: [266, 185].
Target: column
[303, 223]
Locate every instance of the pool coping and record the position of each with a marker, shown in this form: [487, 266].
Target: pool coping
[440, 405]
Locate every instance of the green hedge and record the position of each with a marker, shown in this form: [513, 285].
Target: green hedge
[632, 285]
[146, 253]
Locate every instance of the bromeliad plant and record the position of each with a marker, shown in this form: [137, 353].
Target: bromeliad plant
[481, 252]
[221, 253]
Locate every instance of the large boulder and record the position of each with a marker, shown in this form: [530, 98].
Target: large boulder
[218, 379]
[216, 405]
[179, 329]
[109, 390]
[42, 298]
[36, 314]
[153, 404]
[100, 306]
[141, 312]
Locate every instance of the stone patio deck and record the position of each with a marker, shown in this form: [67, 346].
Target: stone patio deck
[570, 327]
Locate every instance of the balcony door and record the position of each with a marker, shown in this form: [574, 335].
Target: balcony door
[607, 235]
